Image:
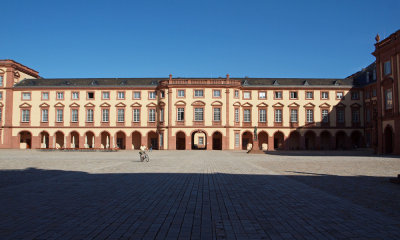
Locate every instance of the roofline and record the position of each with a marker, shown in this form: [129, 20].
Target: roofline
[19, 66]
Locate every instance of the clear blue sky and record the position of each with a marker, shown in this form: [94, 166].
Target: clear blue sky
[195, 38]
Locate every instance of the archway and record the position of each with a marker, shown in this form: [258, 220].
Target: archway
[309, 140]
[136, 140]
[152, 140]
[44, 140]
[217, 141]
[121, 140]
[388, 140]
[356, 139]
[294, 140]
[263, 139]
[74, 139]
[89, 140]
[199, 140]
[278, 140]
[341, 140]
[247, 138]
[59, 140]
[25, 137]
[325, 138]
[180, 141]
[105, 140]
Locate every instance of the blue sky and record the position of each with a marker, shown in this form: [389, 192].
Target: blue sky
[329, 39]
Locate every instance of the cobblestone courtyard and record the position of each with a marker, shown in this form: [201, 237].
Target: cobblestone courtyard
[198, 194]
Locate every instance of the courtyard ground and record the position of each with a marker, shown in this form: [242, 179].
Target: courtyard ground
[198, 194]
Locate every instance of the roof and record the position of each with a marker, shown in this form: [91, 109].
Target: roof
[365, 76]
[295, 81]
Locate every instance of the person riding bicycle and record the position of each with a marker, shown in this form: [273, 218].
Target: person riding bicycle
[142, 151]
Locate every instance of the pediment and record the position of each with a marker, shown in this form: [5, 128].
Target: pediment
[44, 105]
[355, 105]
[25, 105]
[105, 105]
[262, 105]
[121, 104]
[247, 104]
[236, 104]
[216, 103]
[1, 104]
[162, 104]
[309, 105]
[294, 105]
[340, 105]
[198, 103]
[74, 105]
[59, 105]
[325, 105]
[89, 105]
[180, 103]
[151, 105]
[278, 104]
[136, 104]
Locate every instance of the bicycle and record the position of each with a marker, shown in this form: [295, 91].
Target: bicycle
[144, 157]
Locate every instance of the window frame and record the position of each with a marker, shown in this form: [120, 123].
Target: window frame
[180, 90]
[22, 96]
[281, 93]
[198, 89]
[105, 92]
[87, 95]
[72, 95]
[265, 95]
[294, 92]
[217, 90]
[48, 96]
[134, 93]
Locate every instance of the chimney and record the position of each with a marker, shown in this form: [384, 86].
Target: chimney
[170, 77]
[227, 76]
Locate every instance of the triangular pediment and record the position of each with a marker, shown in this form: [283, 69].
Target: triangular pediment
[293, 105]
[44, 105]
[263, 104]
[136, 104]
[180, 103]
[162, 104]
[59, 105]
[236, 104]
[105, 105]
[25, 105]
[278, 104]
[309, 105]
[1, 104]
[355, 105]
[340, 105]
[198, 103]
[216, 103]
[247, 104]
[89, 105]
[151, 105]
[120, 105]
[325, 105]
[74, 105]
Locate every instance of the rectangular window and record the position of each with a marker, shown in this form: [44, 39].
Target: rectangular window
[89, 115]
[310, 115]
[355, 95]
[374, 92]
[246, 115]
[367, 95]
[106, 95]
[368, 115]
[237, 115]
[60, 95]
[262, 95]
[198, 93]
[199, 114]
[75, 95]
[60, 115]
[263, 115]
[236, 93]
[387, 68]
[45, 96]
[201, 140]
[217, 114]
[26, 96]
[1, 114]
[26, 115]
[278, 115]
[237, 139]
[162, 94]
[293, 115]
[325, 116]
[1, 80]
[355, 116]
[278, 95]
[136, 115]
[181, 114]
[121, 115]
[74, 115]
[152, 95]
[152, 115]
[121, 95]
[339, 95]
[90, 95]
[246, 95]
[45, 115]
[340, 115]
[293, 95]
[309, 95]
[216, 93]
[161, 114]
[136, 95]
[181, 93]
[1, 95]
[325, 95]
[105, 115]
[388, 99]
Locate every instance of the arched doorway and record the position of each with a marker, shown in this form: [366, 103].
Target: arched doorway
[25, 138]
[294, 140]
[105, 140]
[89, 140]
[121, 140]
[263, 139]
[309, 140]
[341, 140]
[44, 140]
[136, 140]
[180, 141]
[199, 140]
[388, 140]
[152, 140]
[278, 140]
[217, 141]
[356, 139]
[59, 139]
[325, 138]
[247, 138]
[74, 139]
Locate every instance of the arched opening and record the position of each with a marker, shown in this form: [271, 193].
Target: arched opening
[294, 140]
[247, 138]
[105, 140]
[217, 141]
[309, 140]
[25, 140]
[180, 141]
[263, 140]
[121, 140]
[278, 140]
[152, 140]
[341, 140]
[356, 139]
[59, 140]
[136, 140]
[89, 140]
[199, 140]
[325, 139]
[74, 139]
[388, 140]
[44, 140]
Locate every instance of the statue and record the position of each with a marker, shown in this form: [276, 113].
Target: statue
[255, 133]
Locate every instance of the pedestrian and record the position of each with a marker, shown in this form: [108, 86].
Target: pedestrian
[151, 147]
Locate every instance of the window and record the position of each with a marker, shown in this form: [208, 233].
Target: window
[278, 115]
[236, 93]
[324, 95]
[355, 95]
[60, 95]
[263, 115]
[246, 115]
[198, 93]
[201, 140]
[293, 95]
[75, 95]
[106, 95]
[293, 115]
[89, 115]
[368, 115]
[181, 114]
[74, 115]
[325, 116]
[161, 114]
[105, 115]
[388, 99]
[26, 115]
[181, 93]
[45, 96]
[1, 114]
[1, 80]
[374, 92]
[310, 115]
[60, 115]
[198, 114]
[340, 115]
[152, 95]
[1, 95]
[309, 95]
[152, 115]
[136, 95]
[26, 96]
[237, 139]
[387, 69]
[136, 115]
[121, 95]
[45, 115]
[355, 116]
[217, 114]
[237, 115]
[374, 74]
[367, 95]
[339, 95]
[216, 93]
[162, 95]
[161, 139]
[90, 95]
[121, 115]
[262, 95]
[246, 95]
[278, 95]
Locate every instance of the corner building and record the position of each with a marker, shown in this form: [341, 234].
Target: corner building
[178, 113]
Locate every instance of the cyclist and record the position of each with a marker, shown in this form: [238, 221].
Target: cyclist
[142, 152]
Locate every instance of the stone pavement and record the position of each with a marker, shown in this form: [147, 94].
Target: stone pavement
[177, 195]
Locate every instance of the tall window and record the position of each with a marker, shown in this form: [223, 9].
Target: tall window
[26, 96]
[355, 115]
[201, 140]
[237, 115]
[136, 115]
[74, 115]
[263, 115]
[60, 95]
[368, 115]
[89, 115]
[26, 115]
[217, 93]
[325, 116]
[152, 115]
[60, 115]
[236, 93]
[325, 95]
[1, 95]
[387, 69]
[198, 93]
[121, 95]
[136, 95]
[181, 93]
[45, 115]
[278, 115]
[106, 95]
[293, 115]
[1, 80]
[105, 113]
[161, 114]
[121, 115]
[388, 99]
[217, 114]
[199, 114]
[237, 139]
[45, 96]
[75, 95]
[181, 114]
[340, 115]
[310, 115]
[246, 115]
[152, 95]
[1, 114]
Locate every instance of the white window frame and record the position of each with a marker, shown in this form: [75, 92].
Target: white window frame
[152, 95]
[26, 115]
[75, 95]
[262, 115]
[325, 115]
[26, 96]
[136, 115]
[217, 114]
[278, 95]
[74, 115]
[199, 93]
[236, 93]
[181, 93]
[60, 95]
[246, 95]
[121, 115]
[45, 115]
[237, 115]
[45, 94]
[262, 95]
[217, 93]
[199, 114]
[325, 95]
[340, 117]
[60, 115]
[309, 95]
[89, 115]
[106, 95]
[237, 139]
[121, 95]
[246, 115]
[294, 115]
[180, 114]
[105, 115]
[278, 115]
[310, 115]
[152, 115]
[136, 95]
[201, 140]
[161, 114]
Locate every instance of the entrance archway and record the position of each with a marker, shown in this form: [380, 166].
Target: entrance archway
[199, 140]
[105, 140]
[152, 140]
[341, 140]
[136, 140]
[247, 138]
[325, 138]
[262, 139]
[217, 141]
[356, 139]
[180, 141]
[44, 140]
[294, 140]
[59, 139]
[74, 139]
[26, 137]
[89, 139]
[388, 140]
[309, 140]
[121, 140]
[278, 140]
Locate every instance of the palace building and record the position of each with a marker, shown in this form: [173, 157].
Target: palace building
[203, 113]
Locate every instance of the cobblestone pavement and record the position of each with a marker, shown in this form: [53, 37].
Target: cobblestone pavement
[194, 194]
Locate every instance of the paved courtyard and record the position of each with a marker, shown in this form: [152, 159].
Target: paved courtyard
[198, 194]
